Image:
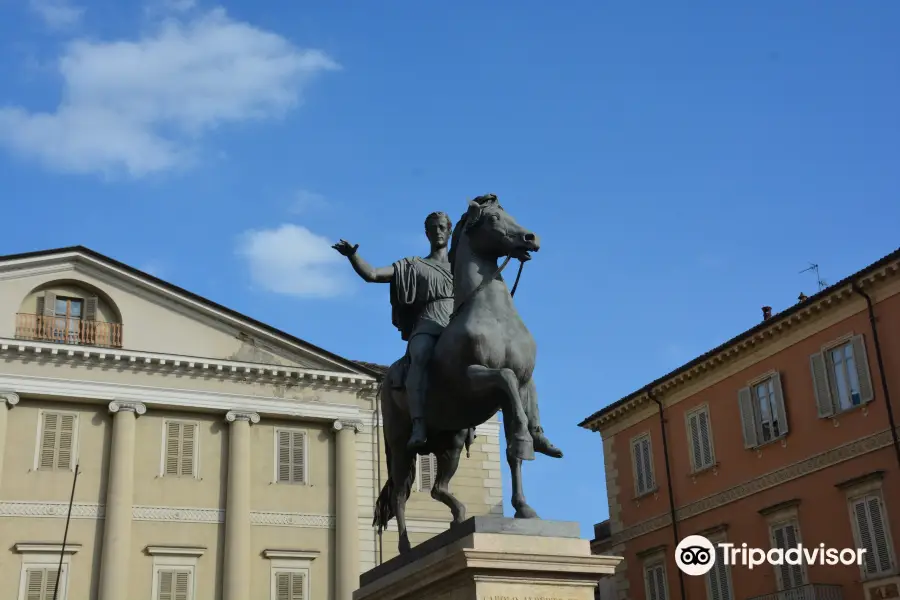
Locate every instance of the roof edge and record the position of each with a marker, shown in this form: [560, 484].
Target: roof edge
[823, 298]
[346, 362]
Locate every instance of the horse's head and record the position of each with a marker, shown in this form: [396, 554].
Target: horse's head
[494, 232]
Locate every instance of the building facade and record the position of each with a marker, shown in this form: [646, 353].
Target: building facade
[216, 457]
[784, 435]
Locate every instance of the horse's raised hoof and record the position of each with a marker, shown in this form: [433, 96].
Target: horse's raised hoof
[404, 545]
[526, 512]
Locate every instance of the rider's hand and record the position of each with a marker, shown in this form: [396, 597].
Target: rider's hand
[345, 248]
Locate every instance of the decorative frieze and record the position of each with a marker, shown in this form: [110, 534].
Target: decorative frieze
[175, 364]
[164, 514]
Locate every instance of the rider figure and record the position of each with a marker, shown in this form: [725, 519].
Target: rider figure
[422, 302]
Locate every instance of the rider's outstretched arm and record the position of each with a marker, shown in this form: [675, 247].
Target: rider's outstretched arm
[368, 272]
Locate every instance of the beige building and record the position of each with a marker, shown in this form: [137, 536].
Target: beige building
[217, 457]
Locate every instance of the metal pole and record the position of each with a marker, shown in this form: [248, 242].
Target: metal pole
[62, 551]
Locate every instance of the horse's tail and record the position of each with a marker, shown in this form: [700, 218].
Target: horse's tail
[384, 506]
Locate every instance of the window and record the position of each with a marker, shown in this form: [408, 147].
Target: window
[173, 584]
[786, 535]
[290, 456]
[40, 583]
[173, 571]
[761, 405]
[427, 467]
[290, 573]
[179, 449]
[871, 532]
[700, 439]
[718, 579]
[40, 570]
[290, 585]
[644, 482]
[655, 583]
[841, 378]
[57, 441]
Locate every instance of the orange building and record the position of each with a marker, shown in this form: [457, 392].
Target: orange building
[783, 435]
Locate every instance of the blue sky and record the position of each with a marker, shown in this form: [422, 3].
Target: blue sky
[682, 163]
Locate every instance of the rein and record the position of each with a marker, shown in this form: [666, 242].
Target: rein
[489, 280]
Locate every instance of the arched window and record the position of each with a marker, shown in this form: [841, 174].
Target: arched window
[69, 312]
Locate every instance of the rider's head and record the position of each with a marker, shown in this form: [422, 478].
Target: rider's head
[438, 229]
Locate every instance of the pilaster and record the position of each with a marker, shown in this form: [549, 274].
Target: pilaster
[237, 507]
[346, 515]
[7, 401]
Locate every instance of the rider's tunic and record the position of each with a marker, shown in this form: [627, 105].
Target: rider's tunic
[421, 296]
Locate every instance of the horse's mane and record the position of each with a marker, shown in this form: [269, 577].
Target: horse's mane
[462, 225]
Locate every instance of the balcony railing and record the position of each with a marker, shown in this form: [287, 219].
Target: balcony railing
[810, 591]
[65, 330]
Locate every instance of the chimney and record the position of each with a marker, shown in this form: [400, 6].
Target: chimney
[802, 297]
[767, 312]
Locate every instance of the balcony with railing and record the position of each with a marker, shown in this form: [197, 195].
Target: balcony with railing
[810, 591]
[68, 330]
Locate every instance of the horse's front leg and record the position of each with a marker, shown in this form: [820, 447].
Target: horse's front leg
[403, 473]
[523, 510]
[447, 463]
[519, 443]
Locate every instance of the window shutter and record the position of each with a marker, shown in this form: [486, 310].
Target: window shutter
[50, 583]
[640, 477]
[865, 536]
[780, 412]
[427, 467]
[166, 586]
[49, 308]
[50, 428]
[879, 536]
[34, 584]
[283, 585]
[39, 310]
[188, 447]
[748, 420]
[648, 465]
[173, 447]
[651, 579]
[660, 579]
[298, 457]
[90, 308]
[284, 458]
[66, 441]
[694, 433]
[182, 585]
[821, 385]
[705, 438]
[861, 361]
[296, 586]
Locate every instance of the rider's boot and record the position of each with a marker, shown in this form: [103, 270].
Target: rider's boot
[542, 444]
[416, 397]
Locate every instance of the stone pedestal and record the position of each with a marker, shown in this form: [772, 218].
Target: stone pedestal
[493, 558]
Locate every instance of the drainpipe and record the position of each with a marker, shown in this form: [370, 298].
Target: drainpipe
[884, 386]
[665, 441]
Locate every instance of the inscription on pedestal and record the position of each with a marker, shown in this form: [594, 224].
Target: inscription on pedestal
[527, 598]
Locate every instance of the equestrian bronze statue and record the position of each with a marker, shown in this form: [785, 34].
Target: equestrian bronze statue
[469, 354]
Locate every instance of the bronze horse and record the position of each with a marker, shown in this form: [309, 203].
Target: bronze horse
[483, 362]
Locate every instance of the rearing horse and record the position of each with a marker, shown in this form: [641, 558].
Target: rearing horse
[483, 362]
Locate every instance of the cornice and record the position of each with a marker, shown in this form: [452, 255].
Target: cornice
[195, 551]
[778, 327]
[174, 364]
[46, 548]
[291, 554]
[153, 397]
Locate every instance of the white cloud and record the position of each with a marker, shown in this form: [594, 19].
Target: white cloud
[57, 14]
[292, 260]
[142, 106]
[305, 201]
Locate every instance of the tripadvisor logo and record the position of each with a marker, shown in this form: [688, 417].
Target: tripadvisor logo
[696, 555]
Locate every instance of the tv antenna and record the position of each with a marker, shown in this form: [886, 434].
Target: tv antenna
[815, 268]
